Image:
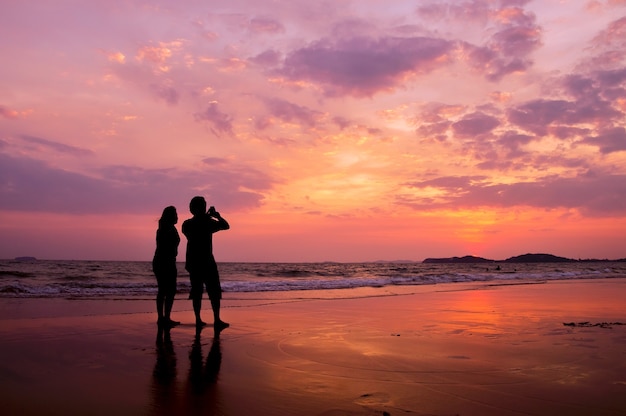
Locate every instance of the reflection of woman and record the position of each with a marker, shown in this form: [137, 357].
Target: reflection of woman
[164, 374]
[164, 265]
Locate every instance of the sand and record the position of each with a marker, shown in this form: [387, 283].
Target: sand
[454, 349]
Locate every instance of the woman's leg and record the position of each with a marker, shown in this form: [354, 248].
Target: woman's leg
[160, 301]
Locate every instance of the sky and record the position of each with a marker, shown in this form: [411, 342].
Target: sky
[343, 130]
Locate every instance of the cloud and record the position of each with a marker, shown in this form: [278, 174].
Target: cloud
[8, 113]
[537, 115]
[167, 93]
[595, 99]
[220, 122]
[475, 124]
[141, 77]
[592, 194]
[461, 11]
[508, 50]
[292, 113]
[513, 141]
[158, 55]
[365, 66]
[594, 93]
[567, 132]
[437, 131]
[31, 185]
[609, 141]
[609, 46]
[267, 58]
[55, 146]
[265, 25]
[456, 183]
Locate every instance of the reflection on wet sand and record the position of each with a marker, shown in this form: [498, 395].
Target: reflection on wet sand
[164, 373]
[203, 374]
[200, 393]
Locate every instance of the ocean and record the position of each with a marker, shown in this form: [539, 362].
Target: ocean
[134, 279]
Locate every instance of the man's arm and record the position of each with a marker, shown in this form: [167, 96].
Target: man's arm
[221, 223]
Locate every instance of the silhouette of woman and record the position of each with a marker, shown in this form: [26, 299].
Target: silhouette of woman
[164, 265]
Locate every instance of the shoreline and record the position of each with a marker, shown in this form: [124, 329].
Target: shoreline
[450, 349]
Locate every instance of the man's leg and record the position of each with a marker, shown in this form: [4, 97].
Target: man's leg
[217, 321]
[215, 305]
[196, 297]
[197, 307]
[214, 290]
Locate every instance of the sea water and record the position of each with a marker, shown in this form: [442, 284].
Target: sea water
[134, 279]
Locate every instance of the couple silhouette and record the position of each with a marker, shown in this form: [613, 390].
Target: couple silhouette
[199, 261]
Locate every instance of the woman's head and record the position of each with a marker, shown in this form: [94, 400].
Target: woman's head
[169, 216]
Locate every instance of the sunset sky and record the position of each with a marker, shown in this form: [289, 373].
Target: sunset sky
[330, 130]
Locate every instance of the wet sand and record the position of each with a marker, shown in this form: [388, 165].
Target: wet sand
[454, 349]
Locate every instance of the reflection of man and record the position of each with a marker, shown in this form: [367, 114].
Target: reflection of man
[200, 262]
[202, 373]
[203, 389]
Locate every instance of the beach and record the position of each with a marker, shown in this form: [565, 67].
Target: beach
[480, 348]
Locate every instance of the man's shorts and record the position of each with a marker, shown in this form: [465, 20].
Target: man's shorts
[207, 277]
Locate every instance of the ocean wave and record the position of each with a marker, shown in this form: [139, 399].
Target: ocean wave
[134, 279]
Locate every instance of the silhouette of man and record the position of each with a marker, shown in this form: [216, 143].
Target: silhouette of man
[200, 262]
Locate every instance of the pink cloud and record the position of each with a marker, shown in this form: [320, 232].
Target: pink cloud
[513, 142]
[49, 145]
[593, 194]
[265, 25]
[291, 112]
[609, 140]
[473, 10]
[537, 115]
[32, 185]
[365, 66]
[475, 124]
[8, 113]
[220, 122]
[167, 93]
[267, 58]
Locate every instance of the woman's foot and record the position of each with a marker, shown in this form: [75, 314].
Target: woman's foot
[167, 322]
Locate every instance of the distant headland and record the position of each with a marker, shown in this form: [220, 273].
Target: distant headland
[25, 258]
[524, 258]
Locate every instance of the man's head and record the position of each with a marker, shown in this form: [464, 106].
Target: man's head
[197, 206]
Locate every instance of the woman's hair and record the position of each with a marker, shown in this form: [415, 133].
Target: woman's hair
[169, 216]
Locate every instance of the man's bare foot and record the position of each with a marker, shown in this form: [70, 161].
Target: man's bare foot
[219, 325]
[200, 323]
